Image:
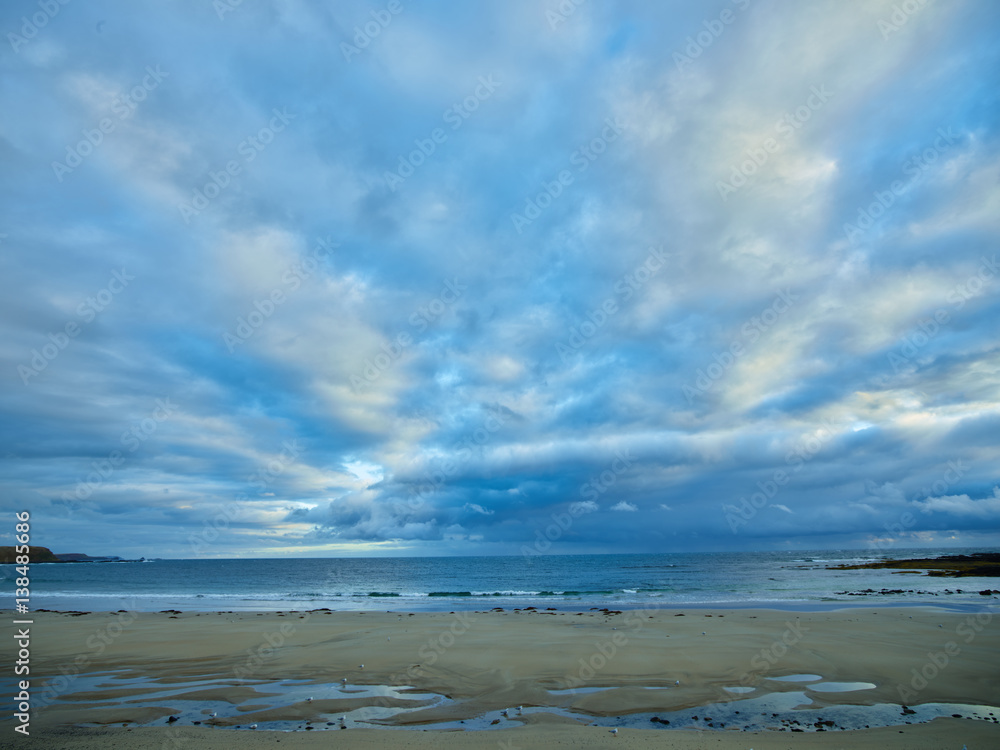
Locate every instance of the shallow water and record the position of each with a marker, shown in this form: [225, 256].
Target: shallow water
[779, 711]
[840, 687]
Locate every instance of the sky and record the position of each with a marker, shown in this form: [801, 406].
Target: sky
[292, 278]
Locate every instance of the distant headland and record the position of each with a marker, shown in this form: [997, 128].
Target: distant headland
[45, 555]
[952, 566]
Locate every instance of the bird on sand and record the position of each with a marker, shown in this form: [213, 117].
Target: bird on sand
[614, 731]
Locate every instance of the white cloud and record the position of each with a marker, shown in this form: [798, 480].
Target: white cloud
[624, 507]
[963, 505]
[586, 506]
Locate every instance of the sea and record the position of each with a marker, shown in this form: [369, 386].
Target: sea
[793, 580]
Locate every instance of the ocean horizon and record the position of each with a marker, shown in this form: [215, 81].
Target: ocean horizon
[778, 580]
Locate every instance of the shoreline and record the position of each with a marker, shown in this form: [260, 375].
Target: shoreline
[564, 667]
[987, 604]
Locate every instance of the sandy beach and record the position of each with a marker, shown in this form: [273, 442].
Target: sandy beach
[565, 669]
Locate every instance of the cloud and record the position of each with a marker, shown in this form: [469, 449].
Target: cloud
[987, 508]
[624, 506]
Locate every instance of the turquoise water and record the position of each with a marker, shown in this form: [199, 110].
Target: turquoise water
[770, 579]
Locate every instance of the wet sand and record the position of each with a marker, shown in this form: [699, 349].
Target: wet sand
[548, 662]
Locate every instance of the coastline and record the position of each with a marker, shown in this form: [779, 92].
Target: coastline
[564, 667]
[797, 580]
